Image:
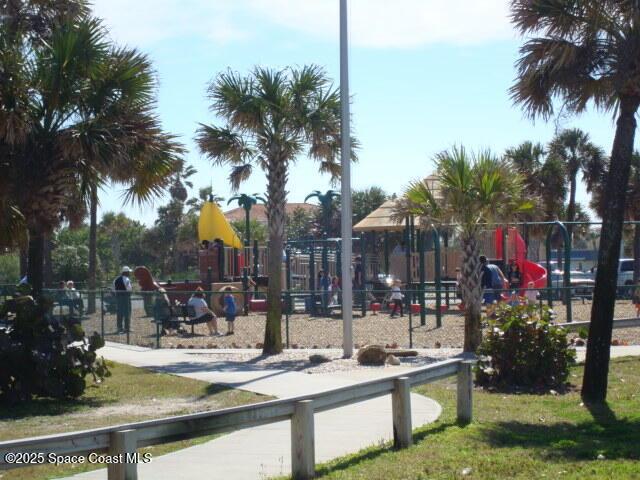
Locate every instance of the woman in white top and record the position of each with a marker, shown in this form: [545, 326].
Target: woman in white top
[203, 314]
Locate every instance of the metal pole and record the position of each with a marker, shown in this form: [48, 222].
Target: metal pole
[407, 253]
[437, 274]
[345, 152]
[386, 252]
[362, 293]
[421, 242]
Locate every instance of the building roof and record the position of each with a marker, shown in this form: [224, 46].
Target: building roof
[259, 211]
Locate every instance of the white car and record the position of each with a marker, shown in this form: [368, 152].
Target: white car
[625, 276]
[581, 284]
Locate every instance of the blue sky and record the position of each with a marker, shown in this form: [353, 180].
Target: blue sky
[425, 74]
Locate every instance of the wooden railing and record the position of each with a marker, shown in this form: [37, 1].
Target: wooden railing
[126, 439]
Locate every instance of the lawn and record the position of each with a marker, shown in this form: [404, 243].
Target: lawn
[517, 437]
[130, 394]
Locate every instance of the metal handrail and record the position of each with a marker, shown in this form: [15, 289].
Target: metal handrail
[165, 430]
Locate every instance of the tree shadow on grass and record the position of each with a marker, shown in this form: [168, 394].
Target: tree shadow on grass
[44, 407]
[605, 434]
[376, 451]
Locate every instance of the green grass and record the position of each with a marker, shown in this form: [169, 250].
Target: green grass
[130, 394]
[516, 437]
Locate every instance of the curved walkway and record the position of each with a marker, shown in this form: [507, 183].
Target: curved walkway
[265, 451]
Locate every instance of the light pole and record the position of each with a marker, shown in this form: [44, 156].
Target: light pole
[345, 151]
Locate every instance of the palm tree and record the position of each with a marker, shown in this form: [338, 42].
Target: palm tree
[273, 116]
[82, 109]
[152, 170]
[204, 194]
[473, 189]
[326, 204]
[577, 154]
[326, 207]
[247, 202]
[596, 179]
[584, 51]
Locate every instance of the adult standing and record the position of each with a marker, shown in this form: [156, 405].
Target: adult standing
[492, 280]
[122, 289]
[358, 278]
[514, 276]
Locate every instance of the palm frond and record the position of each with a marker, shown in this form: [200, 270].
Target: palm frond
[239, 173]
[223, 146]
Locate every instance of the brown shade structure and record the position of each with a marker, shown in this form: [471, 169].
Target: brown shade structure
[380, 220]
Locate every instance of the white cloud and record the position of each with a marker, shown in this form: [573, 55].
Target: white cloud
[395, 23]
[373, 23]
[145, 22]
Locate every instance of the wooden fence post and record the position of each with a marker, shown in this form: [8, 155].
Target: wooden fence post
[465, 391]
[123, 443]
[303, 451]
[401, 406]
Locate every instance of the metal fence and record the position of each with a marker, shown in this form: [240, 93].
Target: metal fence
[424, 318]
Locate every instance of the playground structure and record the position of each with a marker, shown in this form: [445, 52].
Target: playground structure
[423, 259]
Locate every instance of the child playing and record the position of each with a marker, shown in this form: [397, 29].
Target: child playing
[229, 310]
[531, 294]
[396, 298]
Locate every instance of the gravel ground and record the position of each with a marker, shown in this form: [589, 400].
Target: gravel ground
[298, 360]
[317, 332]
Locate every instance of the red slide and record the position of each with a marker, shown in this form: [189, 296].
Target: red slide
[517, 249]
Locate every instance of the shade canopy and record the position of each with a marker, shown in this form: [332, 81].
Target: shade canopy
[380, 220]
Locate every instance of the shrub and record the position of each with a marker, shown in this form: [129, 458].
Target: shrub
[523, 350]
[41, 356]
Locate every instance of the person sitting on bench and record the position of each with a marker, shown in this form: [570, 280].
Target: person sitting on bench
[202, 313]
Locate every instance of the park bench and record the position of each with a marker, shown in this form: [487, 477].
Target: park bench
[164, 314]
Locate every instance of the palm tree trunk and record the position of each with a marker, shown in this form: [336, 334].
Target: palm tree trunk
[471, 293]
[93, 248]
[35, 267]
[636, 254]
[24, 260]
[571, 208]
[594, 384]
[276, 201]
[48, 266]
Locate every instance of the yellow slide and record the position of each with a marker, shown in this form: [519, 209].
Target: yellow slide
[213, 224]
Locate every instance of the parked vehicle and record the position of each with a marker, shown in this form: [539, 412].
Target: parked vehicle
[581, 283]
[625, 277]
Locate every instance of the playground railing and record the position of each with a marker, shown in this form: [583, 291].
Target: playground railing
[300, 411]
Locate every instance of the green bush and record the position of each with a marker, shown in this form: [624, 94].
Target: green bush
[9, 268]
[523, 350]
[42, 356]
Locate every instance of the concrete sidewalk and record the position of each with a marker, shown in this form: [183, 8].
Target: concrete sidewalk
[261, 452]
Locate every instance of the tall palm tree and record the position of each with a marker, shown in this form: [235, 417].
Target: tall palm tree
[596, 178]
[273, 116]
[473, 189]
[583, 51]
[73, 115]
[577, 154]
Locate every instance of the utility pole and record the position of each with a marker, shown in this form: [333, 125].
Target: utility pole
[346, 226]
